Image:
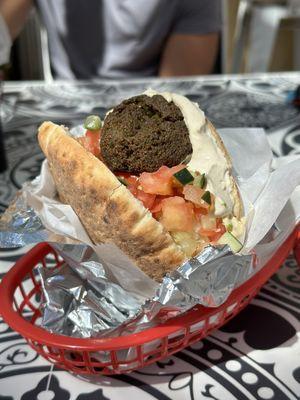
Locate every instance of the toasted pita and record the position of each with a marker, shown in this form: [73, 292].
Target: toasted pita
[108, 211]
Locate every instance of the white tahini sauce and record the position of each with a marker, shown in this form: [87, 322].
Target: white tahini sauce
[206, 156]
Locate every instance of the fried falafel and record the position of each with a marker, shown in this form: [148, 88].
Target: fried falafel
[142, 133]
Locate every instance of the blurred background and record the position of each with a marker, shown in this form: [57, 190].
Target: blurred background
[256, 36]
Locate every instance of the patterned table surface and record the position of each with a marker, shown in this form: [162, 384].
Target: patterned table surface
[256, 355]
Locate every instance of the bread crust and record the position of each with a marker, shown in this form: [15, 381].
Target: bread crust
[106, 208]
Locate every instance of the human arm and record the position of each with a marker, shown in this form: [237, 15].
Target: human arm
[186, 54]
[193, 42]
[15, 13]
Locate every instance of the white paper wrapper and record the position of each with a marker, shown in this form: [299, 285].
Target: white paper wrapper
[271, 195]
[266, 186]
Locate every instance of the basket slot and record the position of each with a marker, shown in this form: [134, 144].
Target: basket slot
[73, 361]
[88, 364]
[51, 260]
[17, 299]
[27, 301]
[230, 309]
[37, 314]
[36, 284]
[47, 352]
[154, 351]
[58, 260]
[21, 300]
[196, 331]
[152, 355]
[151, 358]
[198, 326]
[21, 288]
[126, 356]
[44, 262]
[214, 320]
[99, 366]
[178, 339]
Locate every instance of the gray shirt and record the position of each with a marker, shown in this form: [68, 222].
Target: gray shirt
[119, 38]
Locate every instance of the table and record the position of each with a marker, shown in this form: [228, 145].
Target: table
[256, 355]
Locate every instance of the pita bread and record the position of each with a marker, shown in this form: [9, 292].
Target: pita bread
[106, 208]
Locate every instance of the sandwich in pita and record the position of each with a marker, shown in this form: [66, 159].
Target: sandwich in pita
[155, 179]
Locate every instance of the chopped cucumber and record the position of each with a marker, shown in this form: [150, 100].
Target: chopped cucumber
[206, 197]
[92, 123]
[184, 176]
[200, 181]
[229, 227]
[232, 241]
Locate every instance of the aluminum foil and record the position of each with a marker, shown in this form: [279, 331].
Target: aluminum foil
[81, 300]
[21, 225]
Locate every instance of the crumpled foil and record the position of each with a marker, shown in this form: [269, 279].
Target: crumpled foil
[80, 300]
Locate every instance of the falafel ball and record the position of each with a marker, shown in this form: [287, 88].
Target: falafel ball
[143, 133]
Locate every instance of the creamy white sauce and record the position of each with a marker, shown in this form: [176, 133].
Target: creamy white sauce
[238, 227]
[206, 156]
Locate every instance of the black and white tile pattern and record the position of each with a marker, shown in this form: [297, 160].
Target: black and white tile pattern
[256, 355]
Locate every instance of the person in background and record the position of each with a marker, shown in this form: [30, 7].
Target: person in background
[124, 38]
[13, 15]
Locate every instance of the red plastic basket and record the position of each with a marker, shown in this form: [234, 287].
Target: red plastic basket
[20, 292]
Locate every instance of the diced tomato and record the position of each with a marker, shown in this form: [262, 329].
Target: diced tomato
[160, 181]
[155, 183]
[199, 211]
[156, 207]
[177, 214]
[210, 233]
[213, 234]
[208, 222]
[220, 230]
[194, 194]
[146, 198]
[91, 142]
